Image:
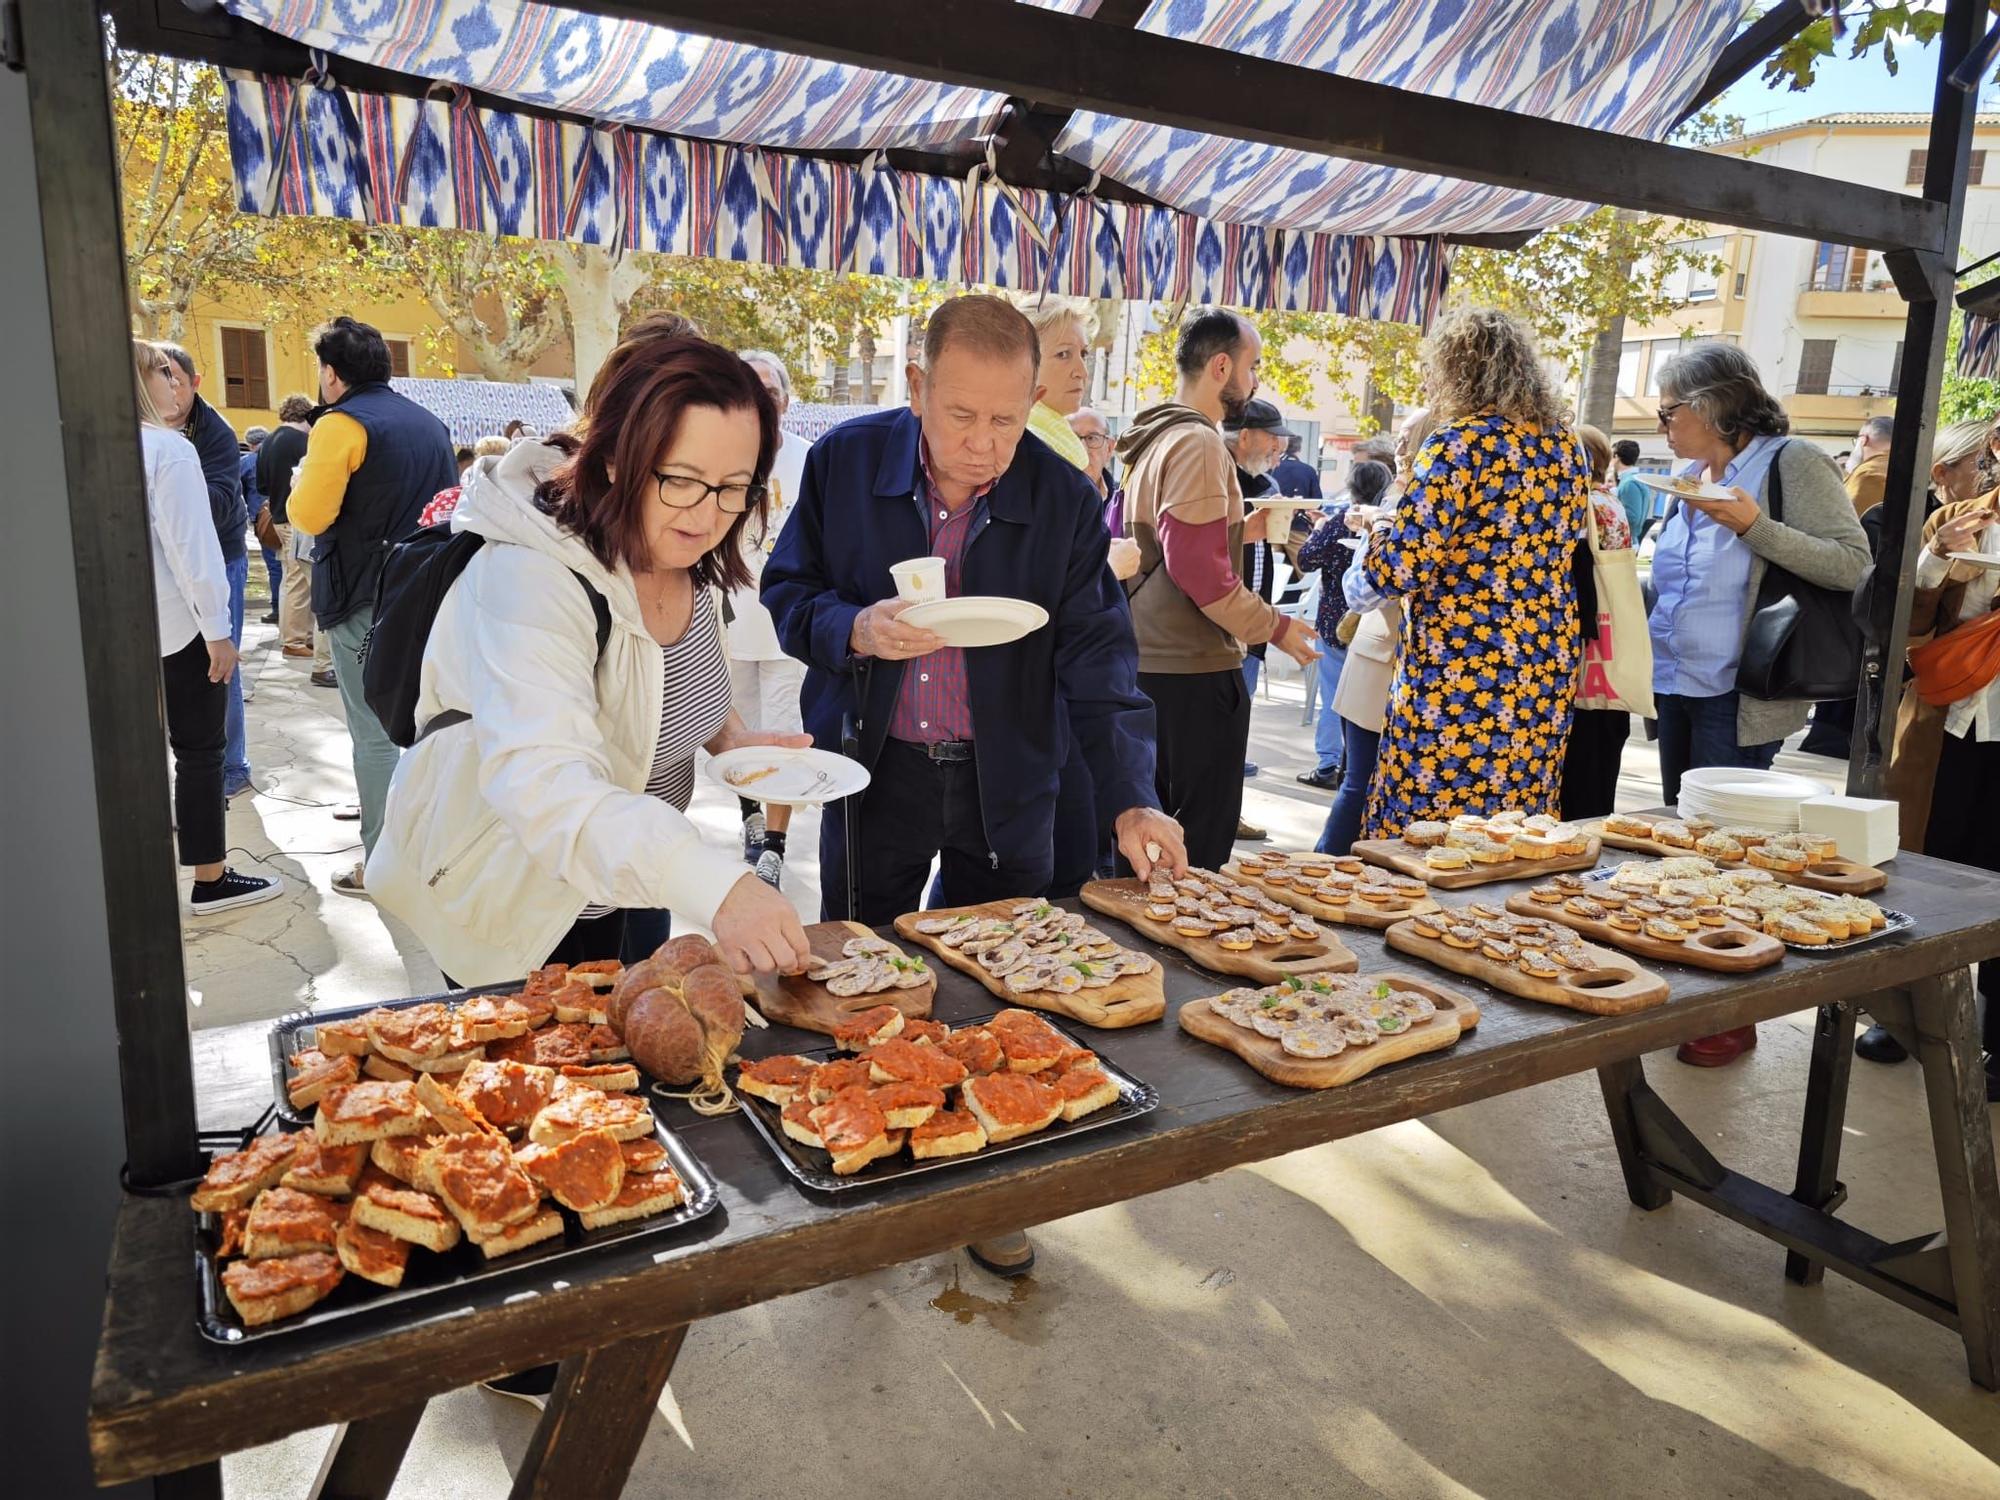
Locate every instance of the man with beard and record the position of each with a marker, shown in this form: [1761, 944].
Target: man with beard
[1190, 609]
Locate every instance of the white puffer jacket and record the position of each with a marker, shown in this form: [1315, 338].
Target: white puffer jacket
[501, 830]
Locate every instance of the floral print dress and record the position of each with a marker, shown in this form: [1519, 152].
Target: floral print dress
[1479, 550]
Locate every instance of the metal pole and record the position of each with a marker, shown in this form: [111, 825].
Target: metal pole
[1926, 282]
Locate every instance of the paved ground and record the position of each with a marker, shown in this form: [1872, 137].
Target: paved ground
[1463, 1306]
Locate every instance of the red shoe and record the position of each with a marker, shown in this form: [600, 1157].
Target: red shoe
[1714, 1051]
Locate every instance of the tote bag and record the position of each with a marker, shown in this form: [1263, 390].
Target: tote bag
[1618, 666]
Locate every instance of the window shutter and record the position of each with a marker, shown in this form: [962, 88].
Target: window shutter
[1975, 169]
[399, 356]
[1815, 367]
[246, 377]
[1914, 177]
[1896, 368]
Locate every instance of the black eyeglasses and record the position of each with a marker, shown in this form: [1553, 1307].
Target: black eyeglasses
[684, 492]
[1096, 439]
[1669, 409]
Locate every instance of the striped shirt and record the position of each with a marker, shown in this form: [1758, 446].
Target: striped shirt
[934, 703]
[694, 703]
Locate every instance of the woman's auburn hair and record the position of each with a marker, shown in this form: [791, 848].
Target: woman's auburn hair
[632, 417]
[1479, 359]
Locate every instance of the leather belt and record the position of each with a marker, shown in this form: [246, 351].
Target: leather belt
[946, 752]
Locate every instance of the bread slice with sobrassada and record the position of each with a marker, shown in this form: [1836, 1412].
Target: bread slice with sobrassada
[1010, 1105]
[949, 1132]
[451, 1109]
[371, 1254]
[367, 1111]
[380, 1068]
[1085, 1089]
[263, 1291]
[313, 1073]
[235, 1178]
[546, 1225]
[328, 1170]
[407, 1214]
[643, 1195]
[606, 1078]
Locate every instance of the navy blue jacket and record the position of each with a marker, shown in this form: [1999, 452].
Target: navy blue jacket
[409, 459]
[221, 459]
[1042, 538]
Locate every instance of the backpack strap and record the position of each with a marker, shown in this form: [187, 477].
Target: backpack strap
[600, 609]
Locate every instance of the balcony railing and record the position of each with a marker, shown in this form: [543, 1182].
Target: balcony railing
[1843, 390]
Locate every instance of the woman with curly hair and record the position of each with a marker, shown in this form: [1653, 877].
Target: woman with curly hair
[1479, 551]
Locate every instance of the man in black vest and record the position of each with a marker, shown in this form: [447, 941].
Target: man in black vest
[372, 461]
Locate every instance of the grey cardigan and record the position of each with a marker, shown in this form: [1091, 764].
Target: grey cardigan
[1820, 540]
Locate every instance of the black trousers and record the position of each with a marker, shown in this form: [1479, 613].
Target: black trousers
[1204, 732]
[1590, 763]
[1965, 828]
[588, 938]
[915, 810]
[196, 710]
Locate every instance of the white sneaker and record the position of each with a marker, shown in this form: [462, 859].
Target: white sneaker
[771, 868]
[234, 890]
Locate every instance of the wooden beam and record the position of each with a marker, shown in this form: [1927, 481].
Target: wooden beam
[1076, 63]
[76, 171]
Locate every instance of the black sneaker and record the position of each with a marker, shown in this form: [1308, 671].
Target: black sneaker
[771, 867]
[1877, 1046]
[233, 890]
[1326, 778]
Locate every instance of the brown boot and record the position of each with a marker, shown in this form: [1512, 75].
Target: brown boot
[1004, 1255]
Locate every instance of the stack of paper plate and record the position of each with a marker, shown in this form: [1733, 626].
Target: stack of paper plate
[1746, 799]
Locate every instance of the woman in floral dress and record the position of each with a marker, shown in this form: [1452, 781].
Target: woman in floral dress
[1480, 552]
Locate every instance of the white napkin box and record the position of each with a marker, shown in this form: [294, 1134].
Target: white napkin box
[1868, 829]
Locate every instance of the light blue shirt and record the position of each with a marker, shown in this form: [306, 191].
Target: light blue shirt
[1701, 574]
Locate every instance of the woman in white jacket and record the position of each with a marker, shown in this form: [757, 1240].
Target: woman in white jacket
[522, 834]
[191, 597]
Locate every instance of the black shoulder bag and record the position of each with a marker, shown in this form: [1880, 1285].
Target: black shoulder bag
[1803, 641]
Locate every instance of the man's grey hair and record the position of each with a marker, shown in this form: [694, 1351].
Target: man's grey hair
[255, 435]
[774, 362]
[1879, 430]
[1380, 447]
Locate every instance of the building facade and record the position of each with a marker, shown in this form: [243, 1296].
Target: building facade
[1822, 321]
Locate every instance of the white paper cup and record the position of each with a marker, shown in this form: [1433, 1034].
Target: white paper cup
[919, 580]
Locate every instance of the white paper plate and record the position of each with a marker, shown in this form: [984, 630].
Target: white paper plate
[790, 778]
[1735, 784]
[1977, 559]
[977, 620]
[1284, 502]
[1668, 484]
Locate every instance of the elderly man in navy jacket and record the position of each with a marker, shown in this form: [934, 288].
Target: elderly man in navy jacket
[965, 745]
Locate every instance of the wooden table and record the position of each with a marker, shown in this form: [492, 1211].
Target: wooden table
[164, 1402]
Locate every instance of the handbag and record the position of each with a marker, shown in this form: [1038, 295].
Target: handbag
[1803, 642]
[266, 530]
[1958, 663]
[1617, 670]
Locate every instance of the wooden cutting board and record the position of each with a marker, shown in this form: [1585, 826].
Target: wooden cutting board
[1266, 963]
[1457, 1014]
[1841, 877]
[1407, 859]
[1355, 914]
[794, 1000]
[1731, 949]
[1617, 987]
[1129, 1000]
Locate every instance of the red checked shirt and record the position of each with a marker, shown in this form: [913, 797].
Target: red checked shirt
[933, 703]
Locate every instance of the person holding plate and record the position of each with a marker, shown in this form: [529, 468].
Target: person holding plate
[574, 668]
[1708, 566]
[965, 743]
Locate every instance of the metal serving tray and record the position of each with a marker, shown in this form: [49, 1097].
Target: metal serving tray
[813, 1168]
[432, 1281]
[1898, 921]
[292, 1034]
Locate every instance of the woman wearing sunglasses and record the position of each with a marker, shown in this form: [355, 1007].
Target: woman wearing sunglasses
[522, 835]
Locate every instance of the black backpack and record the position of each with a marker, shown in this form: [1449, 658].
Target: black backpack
[416, 575]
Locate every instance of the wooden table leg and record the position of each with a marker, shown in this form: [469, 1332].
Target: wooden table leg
[1962, 1134]
[590, 1432]
[1622, 1082]
[202, 1482]
[362, 1460]
[1818, 1181]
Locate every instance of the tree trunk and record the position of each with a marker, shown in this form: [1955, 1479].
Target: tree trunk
[842, 391]
[598, 290]
[1599, 406]
[864, 343]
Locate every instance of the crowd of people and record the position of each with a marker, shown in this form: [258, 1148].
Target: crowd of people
[729, 584]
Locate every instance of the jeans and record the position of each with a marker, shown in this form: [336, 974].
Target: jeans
[1698, 732]
[1253, 668]
[374, 753]
[1327, 731]
[274, 570]
[1350, 803]
[196, 709]
[236, 749]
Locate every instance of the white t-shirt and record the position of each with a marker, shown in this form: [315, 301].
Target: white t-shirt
[752, 635]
